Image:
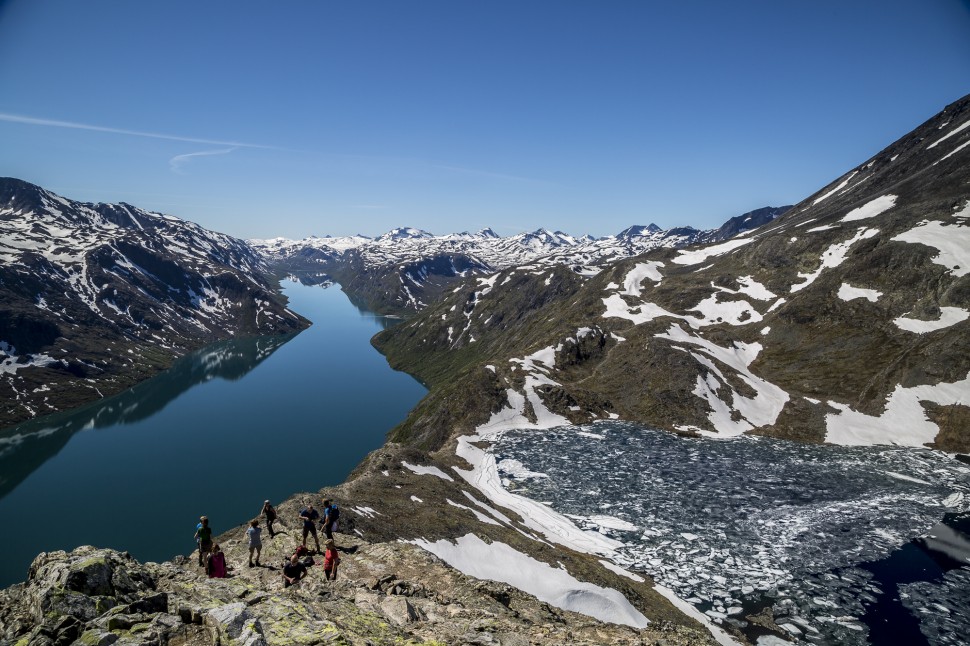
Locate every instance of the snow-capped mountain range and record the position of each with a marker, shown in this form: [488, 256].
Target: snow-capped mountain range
[846, 320]
[99, 296]
[413, 266]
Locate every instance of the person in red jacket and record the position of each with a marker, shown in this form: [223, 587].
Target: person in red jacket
[330, 560]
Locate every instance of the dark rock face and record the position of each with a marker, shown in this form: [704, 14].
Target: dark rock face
[97, 297]
[743, 223]
[844, 319]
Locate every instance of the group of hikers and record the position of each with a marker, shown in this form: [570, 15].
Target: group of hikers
[213, 559]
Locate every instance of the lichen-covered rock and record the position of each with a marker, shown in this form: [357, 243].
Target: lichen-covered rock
[97, 637]
[398, 610]
[389, 593]
[234, 624]
[83, 584]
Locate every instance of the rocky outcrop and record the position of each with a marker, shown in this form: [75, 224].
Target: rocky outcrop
[386, 593]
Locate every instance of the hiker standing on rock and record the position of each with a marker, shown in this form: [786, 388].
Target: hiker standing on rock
[330, 560]
[293, 571]
[310, 516]
[270, 515]
[203, 534]
[255, 543]
[330, 516]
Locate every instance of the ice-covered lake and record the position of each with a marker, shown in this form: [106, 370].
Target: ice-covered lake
[833, 544]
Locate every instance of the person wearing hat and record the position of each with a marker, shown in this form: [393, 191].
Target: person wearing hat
[270, 515]
[203, 534]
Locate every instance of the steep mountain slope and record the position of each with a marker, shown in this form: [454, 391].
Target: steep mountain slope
[97, 297]
[845, 320]
[407, 269]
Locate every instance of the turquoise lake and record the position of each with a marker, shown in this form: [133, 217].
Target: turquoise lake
[224, 429]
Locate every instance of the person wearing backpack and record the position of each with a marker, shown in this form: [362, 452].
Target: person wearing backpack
[203, 535]
[330, 516]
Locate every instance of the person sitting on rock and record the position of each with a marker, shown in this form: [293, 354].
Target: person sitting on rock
[310, 516]
[330, 560]
[203, 535]
[255, 543]
[216, 566]
[293, 571]
[270, 515]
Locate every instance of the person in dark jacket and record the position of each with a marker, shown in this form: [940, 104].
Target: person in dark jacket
[203, 534]
[293, 571]
[270, 515]
[310, 517]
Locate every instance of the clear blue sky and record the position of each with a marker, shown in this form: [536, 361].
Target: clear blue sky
[323, 117]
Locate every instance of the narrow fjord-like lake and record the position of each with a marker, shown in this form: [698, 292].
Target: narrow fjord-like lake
[224, 429]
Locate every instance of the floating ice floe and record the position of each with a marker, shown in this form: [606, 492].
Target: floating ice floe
[724, 536]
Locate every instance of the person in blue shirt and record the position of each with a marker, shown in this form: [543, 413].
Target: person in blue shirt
[330, 516]
[310, 516]
[203, 535]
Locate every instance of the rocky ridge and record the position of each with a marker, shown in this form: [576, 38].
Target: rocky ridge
[390, 590]
[98, 297]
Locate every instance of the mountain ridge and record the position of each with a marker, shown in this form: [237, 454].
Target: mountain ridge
[98, 297]
[408, 268]
[831, 323]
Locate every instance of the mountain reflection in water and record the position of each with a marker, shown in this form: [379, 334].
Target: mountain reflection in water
[23, 448]
[224, 429]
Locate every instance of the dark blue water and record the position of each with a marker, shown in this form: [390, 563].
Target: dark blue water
[224, 429]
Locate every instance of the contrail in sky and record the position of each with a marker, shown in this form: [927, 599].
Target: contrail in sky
[34, 121]
[177, 161]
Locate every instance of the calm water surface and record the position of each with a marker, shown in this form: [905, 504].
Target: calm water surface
[224, 429]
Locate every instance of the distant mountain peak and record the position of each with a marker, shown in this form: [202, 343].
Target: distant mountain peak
[401, 233]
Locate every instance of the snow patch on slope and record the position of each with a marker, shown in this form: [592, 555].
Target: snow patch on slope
[497, 561]
[903, 421]
[948, 316]
[871, 209]
[952, 242]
